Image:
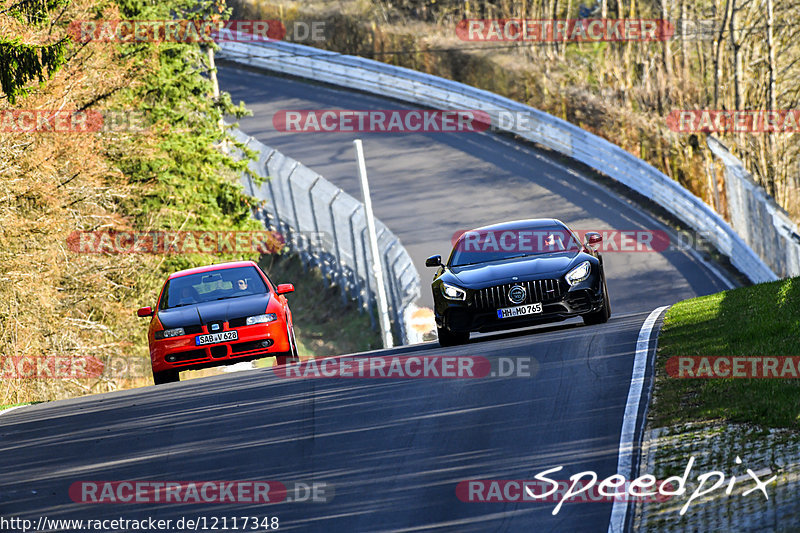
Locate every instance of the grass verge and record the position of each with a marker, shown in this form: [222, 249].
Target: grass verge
[761, 320]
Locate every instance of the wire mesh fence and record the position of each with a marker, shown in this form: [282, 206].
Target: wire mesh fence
[757, 218]
[327, 228]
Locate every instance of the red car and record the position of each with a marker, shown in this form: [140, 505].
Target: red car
[218, 315]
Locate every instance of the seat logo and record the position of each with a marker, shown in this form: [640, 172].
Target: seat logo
[517, 294]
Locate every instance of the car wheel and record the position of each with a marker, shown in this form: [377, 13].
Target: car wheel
[448, 338]
[166, 376]
[601, 316]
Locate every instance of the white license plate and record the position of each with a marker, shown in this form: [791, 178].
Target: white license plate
[509, 312]
[214, 338]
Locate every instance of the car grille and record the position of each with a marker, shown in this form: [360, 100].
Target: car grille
[251, 345]
[539, 290]
[218, 351]
[187, 356]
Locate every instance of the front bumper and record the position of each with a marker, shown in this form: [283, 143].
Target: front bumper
[476, 314]
[182, 353]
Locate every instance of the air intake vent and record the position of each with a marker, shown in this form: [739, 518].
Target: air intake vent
[539, 290]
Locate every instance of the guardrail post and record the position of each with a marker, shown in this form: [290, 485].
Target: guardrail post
[340, 276]
[377, 270]
[356, 282]
[296, 237]
[366, 278]
[318, 259]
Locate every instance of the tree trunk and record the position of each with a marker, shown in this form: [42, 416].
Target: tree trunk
[718, 53]
[738, 75]
[772, 103]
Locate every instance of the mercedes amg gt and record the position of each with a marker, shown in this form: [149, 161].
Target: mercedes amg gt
[218, 315]
[517, 274]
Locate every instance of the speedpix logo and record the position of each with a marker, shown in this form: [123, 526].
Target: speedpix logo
[586, 487]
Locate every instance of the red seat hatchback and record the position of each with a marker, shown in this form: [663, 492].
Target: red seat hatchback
[218, 315]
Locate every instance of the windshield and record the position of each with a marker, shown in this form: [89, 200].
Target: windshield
[484, 246]
[215, 285]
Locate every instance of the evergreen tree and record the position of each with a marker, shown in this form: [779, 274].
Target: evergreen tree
[22, 62]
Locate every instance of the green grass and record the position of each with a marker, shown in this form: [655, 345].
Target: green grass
[10, 405]
[750, 321]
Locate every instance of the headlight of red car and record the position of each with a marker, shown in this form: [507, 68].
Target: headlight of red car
[261, 319]
[167, 333]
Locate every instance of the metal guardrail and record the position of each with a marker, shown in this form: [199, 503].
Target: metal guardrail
[761, 222]
[549, 131]
[327, 227]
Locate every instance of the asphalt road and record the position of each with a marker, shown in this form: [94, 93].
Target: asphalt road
[393, 451]
[428, 186]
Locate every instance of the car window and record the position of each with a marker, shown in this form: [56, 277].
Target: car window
[213, 285]
[496, 245]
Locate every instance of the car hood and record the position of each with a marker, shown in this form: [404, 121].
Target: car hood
[217, 310]
[524, 268]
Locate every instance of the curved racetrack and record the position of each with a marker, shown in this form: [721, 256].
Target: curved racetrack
[394, 450]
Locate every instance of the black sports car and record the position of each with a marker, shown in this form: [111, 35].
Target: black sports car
[516, 274]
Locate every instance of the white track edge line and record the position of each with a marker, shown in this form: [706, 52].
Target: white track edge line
[4, 411]
[624, 461]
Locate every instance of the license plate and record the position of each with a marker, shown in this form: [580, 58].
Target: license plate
[214, 338]
[509, 312]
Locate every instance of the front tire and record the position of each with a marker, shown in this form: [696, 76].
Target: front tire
[601, 316]
[166, 376]
[448, 338]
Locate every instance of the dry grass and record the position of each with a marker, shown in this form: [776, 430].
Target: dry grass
[55, 303]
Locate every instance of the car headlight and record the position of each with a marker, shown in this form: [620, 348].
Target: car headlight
[261, 319]
[579, 273]
[451, 292]
[167, 333]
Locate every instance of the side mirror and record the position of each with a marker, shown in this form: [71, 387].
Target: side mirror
[284, 288]
[593, 238]
[145, 311]
[433, 261]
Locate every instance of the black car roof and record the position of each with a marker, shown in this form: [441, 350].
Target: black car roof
[532, 223]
